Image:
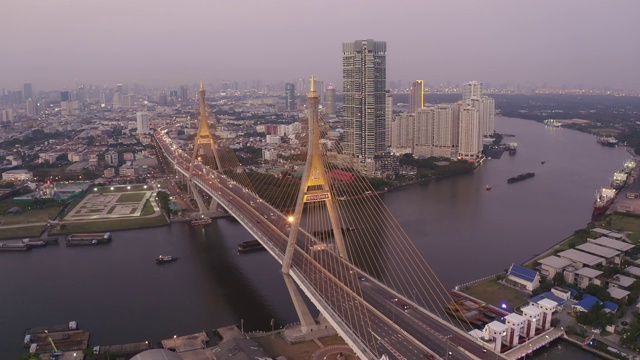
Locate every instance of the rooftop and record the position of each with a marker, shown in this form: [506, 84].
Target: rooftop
[522, 273]
[589, 272]
[598, 250]
[157, 354]
[611, 243]
[587, 302]
[555, 262]
[611, 306]
[497, 326]
[622, 280]
[547, 295]
[513, 317]
[581, 257]
[617, 293]
[548, 303]
[633, 270]
[531, 310]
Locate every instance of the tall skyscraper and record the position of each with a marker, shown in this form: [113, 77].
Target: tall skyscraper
[290, 94]
[184, 95]
[388, 118]
[470, 135]
[28, 92]
[64, 96]
[364, 83]
[402, 133]
[416, 96]
[488, 115]
[143, 122]
[32, 108]
[330, 101]
[471, 89]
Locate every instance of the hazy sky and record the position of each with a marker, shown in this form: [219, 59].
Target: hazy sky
[166, 42]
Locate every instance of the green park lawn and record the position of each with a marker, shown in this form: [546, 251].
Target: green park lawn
[494, 293]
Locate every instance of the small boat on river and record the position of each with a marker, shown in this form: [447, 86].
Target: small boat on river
[163, 259]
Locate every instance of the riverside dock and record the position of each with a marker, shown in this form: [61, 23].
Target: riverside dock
[124, 349]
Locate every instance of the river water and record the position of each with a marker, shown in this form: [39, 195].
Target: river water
[120, 295]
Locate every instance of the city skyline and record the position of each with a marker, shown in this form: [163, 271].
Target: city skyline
[155, 43]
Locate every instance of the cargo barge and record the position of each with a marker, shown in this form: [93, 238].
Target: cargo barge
[88, 239]
[14, 247]
[520, 177]
[248, 246]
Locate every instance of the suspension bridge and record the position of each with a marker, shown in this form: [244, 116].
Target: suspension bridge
[336, 241]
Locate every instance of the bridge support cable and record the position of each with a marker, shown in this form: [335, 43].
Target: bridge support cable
[380, 246]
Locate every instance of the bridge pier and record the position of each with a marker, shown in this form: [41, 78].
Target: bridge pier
[213, 205]
[306, 319]
[199, 200]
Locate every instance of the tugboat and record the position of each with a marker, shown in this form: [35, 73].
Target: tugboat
[542, 162]
[488, 187]
[162, 259]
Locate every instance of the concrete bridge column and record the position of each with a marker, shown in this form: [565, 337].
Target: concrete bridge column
[213, 205]
[307, 322]
[199, 200]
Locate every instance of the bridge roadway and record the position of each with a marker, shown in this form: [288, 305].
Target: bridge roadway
[399, 333]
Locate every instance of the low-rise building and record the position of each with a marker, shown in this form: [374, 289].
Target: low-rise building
[128, 171]
[618, 294]
[633, 271]
[522, 277]
[535, 300]
[588, 301]
[612, 243]
[584, 277]
[109, 173]
[17, 175]
[552, 265]
[621, 281]
[581, 259]
[612, 257]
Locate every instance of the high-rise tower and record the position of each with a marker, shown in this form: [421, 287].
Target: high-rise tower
[28, 92]
[330, 101]
[290, 93]
[142, 121]
[184, 94]
[472, 89]
[416, 96]
[364, 83]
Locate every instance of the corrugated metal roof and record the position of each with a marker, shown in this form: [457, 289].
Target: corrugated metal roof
[522, 273]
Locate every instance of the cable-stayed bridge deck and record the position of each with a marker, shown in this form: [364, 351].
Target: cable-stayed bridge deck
[370, 282]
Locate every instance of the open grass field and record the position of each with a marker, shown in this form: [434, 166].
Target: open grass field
[147, 209]
[130, 197]
[494, 293]
[21, 232]
[27, 216]
[112, 225]
[626, 223]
